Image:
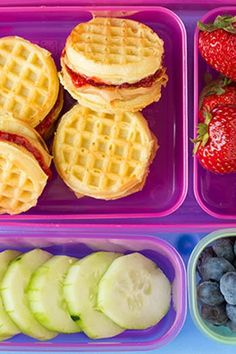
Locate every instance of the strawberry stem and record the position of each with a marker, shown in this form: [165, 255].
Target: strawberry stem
[227, 23]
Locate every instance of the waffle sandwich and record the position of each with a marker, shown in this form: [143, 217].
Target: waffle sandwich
[113, 65]
[102, 155]
[24, 165]
[29, 84]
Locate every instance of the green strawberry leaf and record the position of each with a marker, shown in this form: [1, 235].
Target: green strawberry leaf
[196, 146]
[215, 87]
[205, 139]
[202, 133]
[206, 27]
[226, 23]
[207, 116]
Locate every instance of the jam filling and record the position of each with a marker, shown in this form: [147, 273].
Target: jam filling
[80, 80]
[46, 123]
[22, 141]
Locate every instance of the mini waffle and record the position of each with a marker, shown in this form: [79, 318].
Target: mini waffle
[22, 177]
[114, 50]
[105, 156]
[21, 180]
[29, 82]
[113, 65]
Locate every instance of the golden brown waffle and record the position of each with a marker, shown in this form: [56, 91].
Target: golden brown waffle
[21, 179]
[28, 80]
[114, 50]
[105, 156]
[9, 124]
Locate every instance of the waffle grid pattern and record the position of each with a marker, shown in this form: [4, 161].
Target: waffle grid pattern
[24, 81]
[113, 41]
[104, 151]
[16, 188]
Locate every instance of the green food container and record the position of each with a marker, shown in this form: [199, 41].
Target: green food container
[218, 333]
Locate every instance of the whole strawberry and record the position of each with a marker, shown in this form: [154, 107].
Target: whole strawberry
[218, 92]
[217, 45]
[215, 146]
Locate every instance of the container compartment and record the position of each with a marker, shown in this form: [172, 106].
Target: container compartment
[219, 333]
[80, 242]
[166, 185]
[216, 194]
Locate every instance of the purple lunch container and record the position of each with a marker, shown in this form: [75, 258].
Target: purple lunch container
[79, 241]
[166, 185]
[216, 194]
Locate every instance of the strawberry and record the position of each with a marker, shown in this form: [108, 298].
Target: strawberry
[217, 45]
[218, 92]
[215, 145]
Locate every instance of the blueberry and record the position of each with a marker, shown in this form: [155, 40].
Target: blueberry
[204, 256]
[214, 268]
[228, 287]
[209, 293]
[231, 325]
[214, 314]
[231, 312]
[223, 247]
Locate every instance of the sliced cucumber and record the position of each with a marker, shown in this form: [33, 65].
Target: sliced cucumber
[7, 326]
[45, 294]
[80, 289]
[13, 290]
[134, 292]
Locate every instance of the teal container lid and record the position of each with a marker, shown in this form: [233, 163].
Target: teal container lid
[219, 333]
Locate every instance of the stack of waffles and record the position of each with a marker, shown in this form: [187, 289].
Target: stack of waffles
[113, 67]
[30, 101]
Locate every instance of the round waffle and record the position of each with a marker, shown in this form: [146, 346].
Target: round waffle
[114, 50]
[9, 124]
[105, 156]
[29, 82]
[22, 178]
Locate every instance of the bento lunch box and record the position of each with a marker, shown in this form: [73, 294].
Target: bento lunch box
[78, 241]
[216, 194]
[166, 184]
[181, 202]
[219, 333]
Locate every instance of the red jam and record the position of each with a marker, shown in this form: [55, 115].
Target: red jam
[22, 141]
[43, 127]
[80, 80]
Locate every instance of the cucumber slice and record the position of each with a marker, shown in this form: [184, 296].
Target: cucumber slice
[7, 326]
[13, 290]
[45, 294]
[80, 289]
[134, 292]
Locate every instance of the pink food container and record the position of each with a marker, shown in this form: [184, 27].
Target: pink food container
[166, 185]
[79, 241]
[216, 194]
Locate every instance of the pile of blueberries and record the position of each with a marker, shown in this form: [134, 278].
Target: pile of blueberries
[216, 290]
